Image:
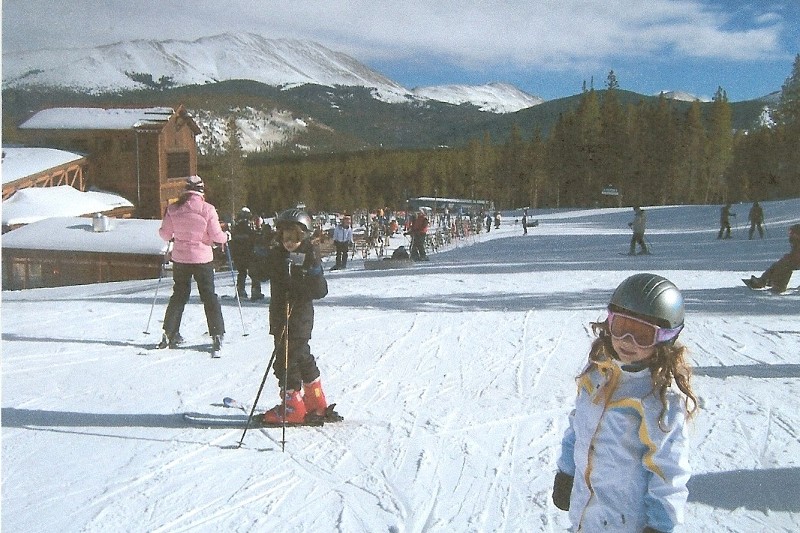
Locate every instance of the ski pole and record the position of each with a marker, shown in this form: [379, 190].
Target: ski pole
[258, 395]
[235, 288]
[649, 244]
[286, 362]
[158, 284]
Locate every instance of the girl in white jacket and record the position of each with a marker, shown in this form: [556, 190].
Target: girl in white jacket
[623, 464]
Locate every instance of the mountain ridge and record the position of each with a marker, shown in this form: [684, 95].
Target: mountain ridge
[285, 63]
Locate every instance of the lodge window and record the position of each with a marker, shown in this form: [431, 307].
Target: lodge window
[178, 164]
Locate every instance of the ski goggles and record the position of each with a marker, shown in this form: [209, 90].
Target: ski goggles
[643, 333]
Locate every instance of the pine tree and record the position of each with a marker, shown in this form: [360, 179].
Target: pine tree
[787, 134]
[233, 171]
[611, 82]
[612, 137]
[537, 177]
[788, 110]
[587, 135]
[691, 168]
[720, 148]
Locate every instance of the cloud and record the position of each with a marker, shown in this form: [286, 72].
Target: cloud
[549, 34]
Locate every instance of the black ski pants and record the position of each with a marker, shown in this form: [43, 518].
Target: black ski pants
[418, 247]
[203, 274]
[302, 364]
[342, 248]
[242, 271]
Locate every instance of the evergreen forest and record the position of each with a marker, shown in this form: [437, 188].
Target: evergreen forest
[653, 152]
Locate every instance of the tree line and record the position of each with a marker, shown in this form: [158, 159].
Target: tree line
[652, 152]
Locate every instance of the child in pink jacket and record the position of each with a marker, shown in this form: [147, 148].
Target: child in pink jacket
[193, 226]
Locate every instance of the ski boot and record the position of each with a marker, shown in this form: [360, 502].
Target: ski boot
[294, 407]
[314, 398]
[216, 346]
[168, 341]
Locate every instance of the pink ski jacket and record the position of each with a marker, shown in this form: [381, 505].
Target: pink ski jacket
[194, 227]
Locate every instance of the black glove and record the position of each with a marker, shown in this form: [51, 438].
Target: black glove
[649, 529]
[562, 488]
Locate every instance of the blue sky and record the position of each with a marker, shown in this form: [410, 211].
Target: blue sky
[547, 47]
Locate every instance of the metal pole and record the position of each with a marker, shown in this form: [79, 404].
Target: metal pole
[235, 288]
[155, 296]
[258, 395]
[286, 358]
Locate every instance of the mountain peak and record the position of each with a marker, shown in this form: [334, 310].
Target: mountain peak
[495, 97]
[137, 64]
[281, 62]
[681, 96]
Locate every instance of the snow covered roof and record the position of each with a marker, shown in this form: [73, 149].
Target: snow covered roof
[37, 203]
[96, 118]
[19, 163]
[127, 235]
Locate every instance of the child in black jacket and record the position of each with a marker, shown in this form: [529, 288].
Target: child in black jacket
[295, 271]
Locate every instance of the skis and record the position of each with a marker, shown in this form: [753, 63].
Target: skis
[257, 301]
[182, 345]
[240, 421]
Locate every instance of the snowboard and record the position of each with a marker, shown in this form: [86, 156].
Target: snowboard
[749, 283]
[756, 287]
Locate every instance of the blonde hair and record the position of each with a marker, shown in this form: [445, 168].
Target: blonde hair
[668, 363]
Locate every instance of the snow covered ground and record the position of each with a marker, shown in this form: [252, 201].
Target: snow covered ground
[455, 378]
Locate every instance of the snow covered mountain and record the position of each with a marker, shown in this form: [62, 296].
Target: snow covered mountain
[136, 64]
[493, 97]
[682, 96]
[142, 64]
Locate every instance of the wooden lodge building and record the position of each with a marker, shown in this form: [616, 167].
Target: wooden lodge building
[144, 155]
[54, 168]
[60, 251]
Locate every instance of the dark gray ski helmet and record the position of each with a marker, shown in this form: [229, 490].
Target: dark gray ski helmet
[294, 217]
[650, 296]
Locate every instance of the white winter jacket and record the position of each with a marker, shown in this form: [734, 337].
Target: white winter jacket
[342, 234]
[628, 472]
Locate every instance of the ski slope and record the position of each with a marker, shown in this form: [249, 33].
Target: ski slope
[455, 378]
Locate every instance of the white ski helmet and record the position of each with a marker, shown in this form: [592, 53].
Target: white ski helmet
[195, 183]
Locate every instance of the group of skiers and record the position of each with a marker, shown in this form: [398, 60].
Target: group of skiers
[250, 235]
[639, 224]
[755, 217]
[634, 395]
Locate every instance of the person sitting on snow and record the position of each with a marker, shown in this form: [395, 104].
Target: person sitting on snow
[777, 276]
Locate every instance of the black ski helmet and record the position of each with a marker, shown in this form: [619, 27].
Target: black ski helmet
[650, 296]
[294, 217]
